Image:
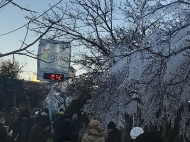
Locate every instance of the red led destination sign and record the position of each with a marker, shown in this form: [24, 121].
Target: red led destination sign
[53, 76]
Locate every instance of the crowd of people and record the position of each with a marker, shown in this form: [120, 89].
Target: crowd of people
[66, 128]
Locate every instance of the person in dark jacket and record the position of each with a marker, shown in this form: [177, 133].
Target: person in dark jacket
[40, 131]
[67, 127]
[45, 111]
[149, 137]
[21, 127]
[114, 134]
[3, 132]
[58, 128]
[75, 128]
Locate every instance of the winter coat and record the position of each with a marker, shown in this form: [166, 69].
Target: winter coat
[93, 135]
[75, 127]
[114, 136]
[38, 134]
[66, 129]
[21, 129]
[42, 114]
[58, 126]
[3, 134]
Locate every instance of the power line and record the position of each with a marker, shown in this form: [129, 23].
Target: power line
[2, 2]
[2, 5]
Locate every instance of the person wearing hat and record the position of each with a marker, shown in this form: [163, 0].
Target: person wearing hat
[67, 127]
[40, 131]
[58, 126]
[114, 134]
[93, 134]
[135, 132]
[21, 127]
[75, 128]
[3, 132]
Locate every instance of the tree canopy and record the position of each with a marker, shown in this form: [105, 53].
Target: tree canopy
[139, 49]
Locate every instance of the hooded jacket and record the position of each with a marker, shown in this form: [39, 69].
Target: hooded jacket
[58, 126]
[38, 132]
[115, 134]
[93, 135]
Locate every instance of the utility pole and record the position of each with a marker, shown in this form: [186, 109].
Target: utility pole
[51, 98]
[14, 97]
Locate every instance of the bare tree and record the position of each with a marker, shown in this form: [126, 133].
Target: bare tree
[89, 24]
[10, 70]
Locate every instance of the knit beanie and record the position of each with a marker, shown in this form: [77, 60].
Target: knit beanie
[135, 132]
[61, 112]
[111, 125]
[94, 124]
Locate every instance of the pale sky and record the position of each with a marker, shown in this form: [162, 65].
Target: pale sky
[11, 18]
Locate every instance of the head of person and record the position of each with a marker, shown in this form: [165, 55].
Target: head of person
[111, 126]
[46, 110]
[94, 124]
[44, 120]
[61, 113]
[149, 137]
[61, 110]
[2, 117]
[25, 115]
[135, 132]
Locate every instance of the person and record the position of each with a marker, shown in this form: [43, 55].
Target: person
[3, 132]
[93, 134]
[114, 134]
[75, 128]
[55, 113]
[67, 127]
[135, 132]
[149, 137]
[58, 126]
[61, 110]
[40, 131]
[21, 127]
[45, 111]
